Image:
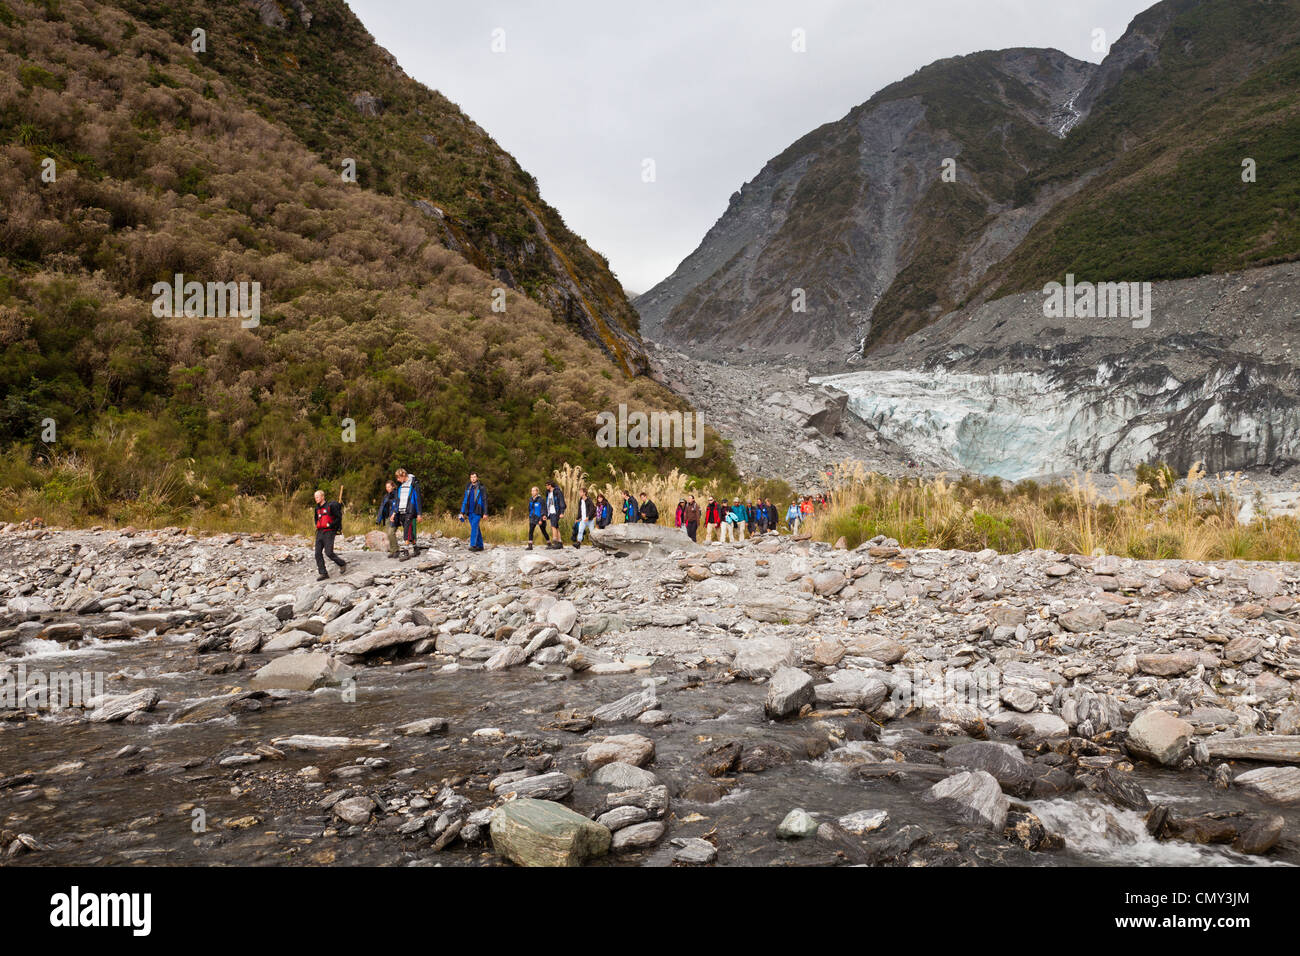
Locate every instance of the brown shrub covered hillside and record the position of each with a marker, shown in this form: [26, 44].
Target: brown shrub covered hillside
[161, 167]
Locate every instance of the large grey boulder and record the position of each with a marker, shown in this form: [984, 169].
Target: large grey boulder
[787, 691]
[761, 657]
[973, 796]
[301, 672]
[852, 689]
[1004, 761]
[542, 833]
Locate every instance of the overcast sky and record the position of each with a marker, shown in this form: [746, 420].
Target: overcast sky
[586, 90]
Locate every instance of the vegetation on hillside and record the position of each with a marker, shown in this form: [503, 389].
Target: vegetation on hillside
[163, 167]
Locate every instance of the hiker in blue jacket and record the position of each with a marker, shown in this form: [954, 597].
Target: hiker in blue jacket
[474, 506]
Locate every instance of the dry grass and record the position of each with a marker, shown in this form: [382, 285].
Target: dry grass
[1187, 520]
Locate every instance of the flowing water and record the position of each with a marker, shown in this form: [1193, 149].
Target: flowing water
[90, 805]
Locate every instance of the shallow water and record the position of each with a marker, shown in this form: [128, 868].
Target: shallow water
[91, 807]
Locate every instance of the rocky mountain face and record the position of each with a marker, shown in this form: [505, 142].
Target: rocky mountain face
[1003, 390]
[1110, 171]
[313, 66]
[859, 204]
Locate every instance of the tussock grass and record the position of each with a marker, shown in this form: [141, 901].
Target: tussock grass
[1178, 520]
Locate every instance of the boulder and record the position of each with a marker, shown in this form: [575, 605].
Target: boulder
[301, 672]
[1159, 736]
[623, 776]
[633, 749]
[1274, 784]
[1004, 762]
[761, 657]
[640, 539]
[543, 833]
[973, 796]
[787, 691]
[779, 609]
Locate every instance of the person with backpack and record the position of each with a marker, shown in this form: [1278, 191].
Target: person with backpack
[408, 511]
[678, 519]
[739, 518]
[604, 513]
[388, 515]
[713, 515]
[537, 518]
[793, 516]
[629, 508]
[554, 511]
[474, 506]
[648, 513]
[586, 517]
[329, 522]
[691, 517]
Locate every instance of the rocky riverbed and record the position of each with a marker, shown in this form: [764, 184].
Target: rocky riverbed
[645, 702]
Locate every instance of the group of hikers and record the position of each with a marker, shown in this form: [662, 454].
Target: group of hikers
[400, 509]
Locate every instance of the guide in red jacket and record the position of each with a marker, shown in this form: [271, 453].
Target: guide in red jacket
[329, 522]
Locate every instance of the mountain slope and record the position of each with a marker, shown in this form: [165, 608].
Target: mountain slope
[1145, 185]
[165, 165]
[312, 65]
[851, 206]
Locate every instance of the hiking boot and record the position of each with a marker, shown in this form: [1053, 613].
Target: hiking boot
[322, 577]
[343, 566]
[530, 546]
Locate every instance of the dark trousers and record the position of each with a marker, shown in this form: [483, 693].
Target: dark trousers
[406, 523]
[535, 524]
[691, 528]
[325, 549]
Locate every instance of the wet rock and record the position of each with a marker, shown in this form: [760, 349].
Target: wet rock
[848, 688]
[621, 817]
[721, 758]
[301, 672]
[356, 810]
[1027, 830]
[638, 836]
[1005, 762]
[423, 727]
[1116, 787]
[797, 825]
[760, 757]
[1261, 835]
[623, 776]
[626, 708]
[1159, 736]
[542, 833]
[113, 709]
[788, 690]
[654, 800]
[695, 852]
[509, 656]
[973, 796]
[1271, 749]
[1274, 784]
[863, 821]
[633, 749]
[546, 786]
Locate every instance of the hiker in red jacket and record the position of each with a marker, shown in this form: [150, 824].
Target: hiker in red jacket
[329, 522]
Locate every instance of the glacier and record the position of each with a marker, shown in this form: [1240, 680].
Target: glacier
[1106, 418]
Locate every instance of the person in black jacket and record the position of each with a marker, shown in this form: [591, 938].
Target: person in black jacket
[329, 522]
[387, 518]
[648, 513]
[554, 511]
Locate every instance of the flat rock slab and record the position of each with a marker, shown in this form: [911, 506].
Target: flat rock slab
[312, 742]
[1271, 749]
[542, 833]
[640, 539]
[775, 609]
[1275, 784]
